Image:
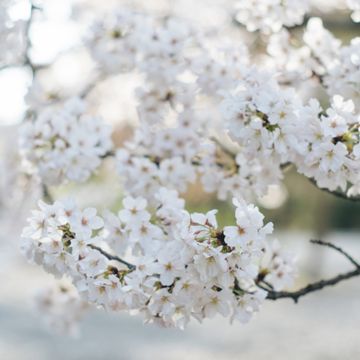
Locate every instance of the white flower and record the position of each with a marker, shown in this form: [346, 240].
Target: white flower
[185, 290]
[87, 222]
[161, 303]
[114, 233]
[203, 225]
[216, 302]
[332, 157]
[93, 263]
[249, 227]
[169, 265]
[134, 212]
[247, 305]
[279, 266]
[210, 263]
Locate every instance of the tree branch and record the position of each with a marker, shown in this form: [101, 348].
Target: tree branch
[295, 295]
[46, 194]
[27, 61]
[318, 285]
[338, 249]
[112, 257]
[108, 154]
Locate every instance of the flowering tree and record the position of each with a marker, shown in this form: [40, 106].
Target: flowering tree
[209, 110]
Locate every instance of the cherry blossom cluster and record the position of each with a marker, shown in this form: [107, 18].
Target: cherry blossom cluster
[338, 66]
[219, 68]
[261, 116]
[320, 56]
[125, 39]
[343, 74]
[270, 15]
[112, 42]
[274, 124]
[172, 145]
[160, 157]
[278, 266]
[331, 144]
[61, 307]
[206, 113]
[65, 143]
[182, 266]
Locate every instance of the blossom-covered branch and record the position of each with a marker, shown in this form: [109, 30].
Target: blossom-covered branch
[211, 112]
[184, 266]
[112, 257]
[316, 286]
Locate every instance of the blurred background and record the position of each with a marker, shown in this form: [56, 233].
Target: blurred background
[324, 325]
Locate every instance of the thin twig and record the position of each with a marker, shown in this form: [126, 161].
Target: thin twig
[92, 85]
[28, 45]
[286, 166]
[341, 251]
[46, 194]
[5, 67]
[267, 284]
[108, 154]
[112, 257]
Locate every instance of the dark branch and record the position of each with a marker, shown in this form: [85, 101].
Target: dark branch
[46, 194]
[92, 85]
[295, 295]
[316, 286]
[27, 61]
[286, 166]
[108, 154]
[113, 257]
